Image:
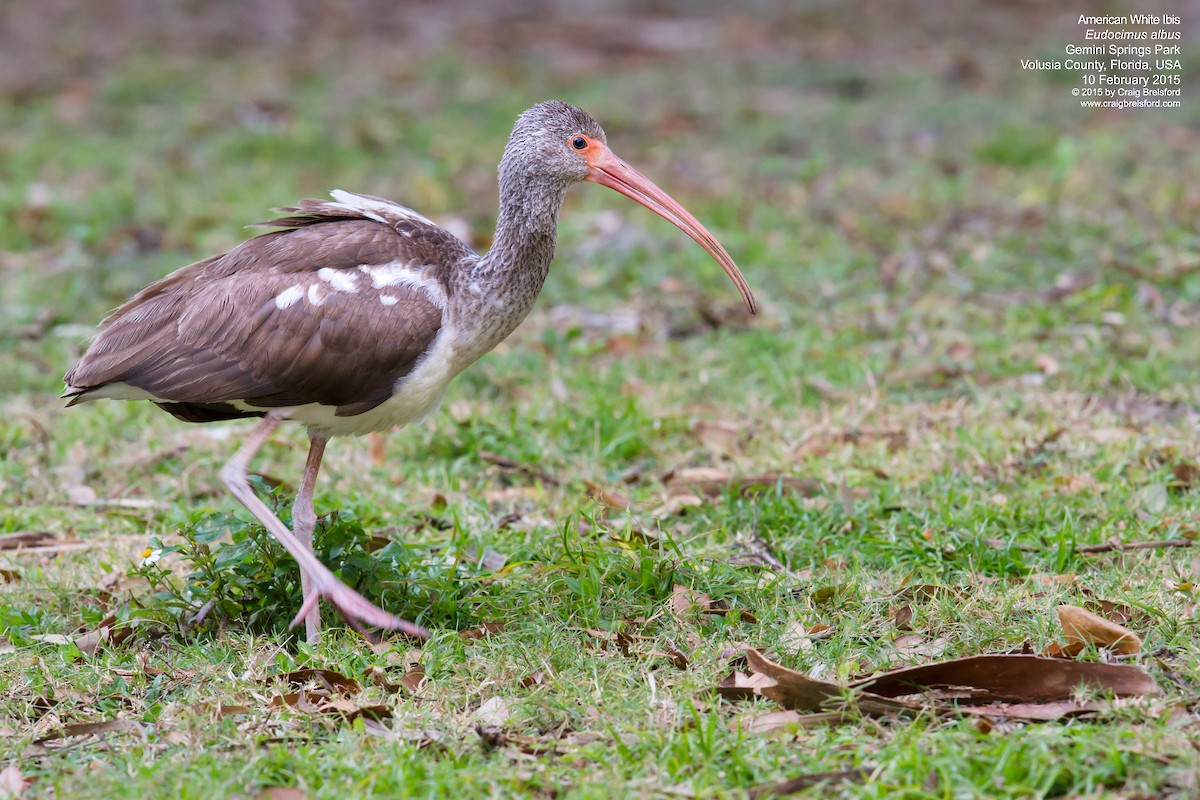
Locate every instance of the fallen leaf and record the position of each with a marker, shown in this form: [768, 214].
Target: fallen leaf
[914, 644]
[1187, 475]
[795, 690]
[1014, 678]
[534, 678]
[12, 782]
[738, 685]
[485, 629]
[1024, 684]
[720, 435]
[326, 679]
[1046, 363]
[531, 472]
[80, 495]
[676, 504]
[686, 601]
[1082, 626]
[787, 720]
[608, 498]
[9, 575]
[52, 638]
[492, 714]
[91, 641]
[91, 729]
[414, 679]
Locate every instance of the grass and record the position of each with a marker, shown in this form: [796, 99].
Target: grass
[979, 333]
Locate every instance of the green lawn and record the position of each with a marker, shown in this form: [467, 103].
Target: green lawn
[979, 334]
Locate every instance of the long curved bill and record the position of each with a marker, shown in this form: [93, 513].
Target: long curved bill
[608, 170]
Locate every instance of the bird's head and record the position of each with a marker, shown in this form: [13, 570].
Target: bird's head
[558, 144]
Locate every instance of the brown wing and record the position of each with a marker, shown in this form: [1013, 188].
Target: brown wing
[332, 312]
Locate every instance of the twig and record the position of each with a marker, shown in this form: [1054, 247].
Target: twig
[1110, 546]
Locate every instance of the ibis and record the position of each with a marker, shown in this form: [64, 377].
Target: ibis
[353, 316]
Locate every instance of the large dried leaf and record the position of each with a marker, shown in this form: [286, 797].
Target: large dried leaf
[1083, 627]
[796, 691]
[91, 729]
[1013, 678]
[1017, 686]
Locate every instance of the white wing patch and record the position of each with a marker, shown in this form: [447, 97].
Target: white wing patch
[288, 297]
[379, 210]
[398, 273]
[341, 280]
[388, 300]
[316, 294]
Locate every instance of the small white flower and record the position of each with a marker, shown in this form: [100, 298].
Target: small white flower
[151, 556]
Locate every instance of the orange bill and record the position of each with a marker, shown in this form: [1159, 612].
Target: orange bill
[608, 170]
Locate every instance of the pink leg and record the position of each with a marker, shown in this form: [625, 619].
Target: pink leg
[322, 583]
[304, 520]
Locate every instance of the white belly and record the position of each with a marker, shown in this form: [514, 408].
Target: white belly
[416, 394]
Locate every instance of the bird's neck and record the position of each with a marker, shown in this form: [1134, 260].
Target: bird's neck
[505, 282]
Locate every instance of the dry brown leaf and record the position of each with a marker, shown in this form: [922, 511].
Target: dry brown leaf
[686, 601]
[91, 729]
[676, 504]
[529, 471]
[739, 685]
[90, 642]
[484, 630]
[796, 691]
[722, 436]
[1082, 626]
[1014, 678]
[1187, 475]
[903, 618]
[22, 539]
[610, 498]
[414, 679]
[1046, 364]
[1020, 684]
[913, 645]
[492, 714]
[534, 678]
[39, 542]
[12, 782]
[795, 637]
[326, 679]
[9, 575]
[786, 720]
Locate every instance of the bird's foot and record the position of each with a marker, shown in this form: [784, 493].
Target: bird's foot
[358, 611]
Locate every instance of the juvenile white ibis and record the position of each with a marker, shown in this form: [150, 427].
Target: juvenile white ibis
[353, 319]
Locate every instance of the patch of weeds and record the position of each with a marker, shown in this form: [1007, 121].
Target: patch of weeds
[249, 581]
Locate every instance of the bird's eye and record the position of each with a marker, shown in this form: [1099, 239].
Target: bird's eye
[579, 143]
